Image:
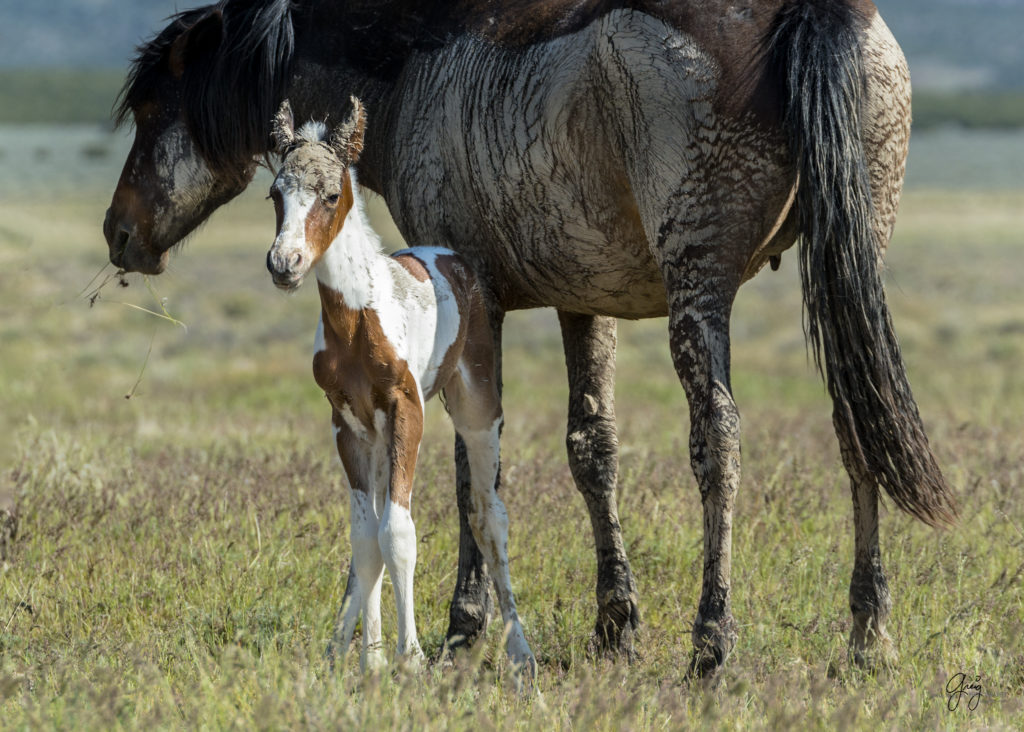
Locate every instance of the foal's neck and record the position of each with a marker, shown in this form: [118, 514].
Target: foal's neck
[354, 265]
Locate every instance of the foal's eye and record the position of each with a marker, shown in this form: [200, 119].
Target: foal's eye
[332, 199]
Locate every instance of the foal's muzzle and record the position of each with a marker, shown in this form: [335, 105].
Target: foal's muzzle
[286, 268]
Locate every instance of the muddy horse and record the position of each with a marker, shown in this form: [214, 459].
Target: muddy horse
[610, 159]
[394, 331]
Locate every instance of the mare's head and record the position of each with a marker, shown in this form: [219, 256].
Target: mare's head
[200, 95]
[312, 192]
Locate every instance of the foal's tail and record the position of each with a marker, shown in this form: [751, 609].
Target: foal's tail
[814, 54]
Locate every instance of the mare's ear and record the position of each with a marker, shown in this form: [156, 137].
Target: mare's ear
[282, 130]
[201, 39]
[347, 138]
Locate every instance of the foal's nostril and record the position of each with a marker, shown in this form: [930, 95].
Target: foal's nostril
[295, 261]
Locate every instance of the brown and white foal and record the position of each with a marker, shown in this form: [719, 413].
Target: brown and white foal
[394, 331]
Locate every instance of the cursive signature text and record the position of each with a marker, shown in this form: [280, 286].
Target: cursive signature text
[959, 687]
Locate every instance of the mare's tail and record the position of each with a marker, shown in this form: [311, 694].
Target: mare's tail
[815, 56]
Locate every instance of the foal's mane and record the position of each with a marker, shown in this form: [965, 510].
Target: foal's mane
[241, 80]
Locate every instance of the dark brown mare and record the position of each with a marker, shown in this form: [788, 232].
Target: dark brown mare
[609, 158]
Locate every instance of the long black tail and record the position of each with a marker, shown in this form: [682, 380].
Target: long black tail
[814, 54]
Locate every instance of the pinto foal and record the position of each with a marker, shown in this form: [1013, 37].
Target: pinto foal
[394, 331]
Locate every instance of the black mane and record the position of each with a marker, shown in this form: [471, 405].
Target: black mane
[243, 80]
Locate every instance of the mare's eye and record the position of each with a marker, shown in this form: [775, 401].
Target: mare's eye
[332, 199]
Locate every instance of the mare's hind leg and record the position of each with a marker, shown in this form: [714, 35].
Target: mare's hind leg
[471, 601]
[886, 141]
[870, 602]
[593, 447]
[699, 339]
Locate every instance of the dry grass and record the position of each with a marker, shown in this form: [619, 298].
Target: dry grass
[180, 554]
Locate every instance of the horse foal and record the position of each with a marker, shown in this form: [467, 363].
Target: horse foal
[393, 332]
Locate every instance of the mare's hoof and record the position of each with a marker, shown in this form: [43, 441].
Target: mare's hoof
[615, 630]
[712, 644]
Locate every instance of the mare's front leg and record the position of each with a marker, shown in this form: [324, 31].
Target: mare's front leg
[471, 601]
[592, 442]
[397, 533]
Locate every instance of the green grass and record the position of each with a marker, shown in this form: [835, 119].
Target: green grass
[969, 109]
[58, 95]
[181, 553]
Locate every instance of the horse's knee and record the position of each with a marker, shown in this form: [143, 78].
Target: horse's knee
[593, 447]
[715, 443]
[397, 536]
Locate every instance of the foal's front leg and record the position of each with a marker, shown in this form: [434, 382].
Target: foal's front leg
[361, 457]
[397, 533]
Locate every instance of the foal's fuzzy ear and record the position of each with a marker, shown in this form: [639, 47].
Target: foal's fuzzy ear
[282, 132]
[347, 138]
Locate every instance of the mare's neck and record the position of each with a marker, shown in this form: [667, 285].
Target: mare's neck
[354, 265]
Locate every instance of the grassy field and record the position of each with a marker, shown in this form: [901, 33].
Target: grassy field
[180, 553]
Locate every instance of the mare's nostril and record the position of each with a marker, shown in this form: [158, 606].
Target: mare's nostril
[121, 240]
[270, 263]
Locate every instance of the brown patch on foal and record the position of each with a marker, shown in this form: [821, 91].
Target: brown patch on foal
[358, 354]
[323, 223]
[413, 266]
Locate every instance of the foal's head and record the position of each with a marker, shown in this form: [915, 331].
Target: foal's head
[312, 192]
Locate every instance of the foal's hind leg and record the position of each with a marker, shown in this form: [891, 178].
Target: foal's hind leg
[593, 447]
[346, 619]
[475, 407]
[870, 602]
[471, 601]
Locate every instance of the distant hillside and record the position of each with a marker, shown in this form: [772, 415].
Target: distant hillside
[79, 33]
[951, 44]
[960, 44]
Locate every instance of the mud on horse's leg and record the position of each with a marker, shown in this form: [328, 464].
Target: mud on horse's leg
[471, 602]
[593, 446]
[699, 338]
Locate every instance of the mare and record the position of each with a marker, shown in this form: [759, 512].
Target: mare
[393, 332]
[610, 159]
